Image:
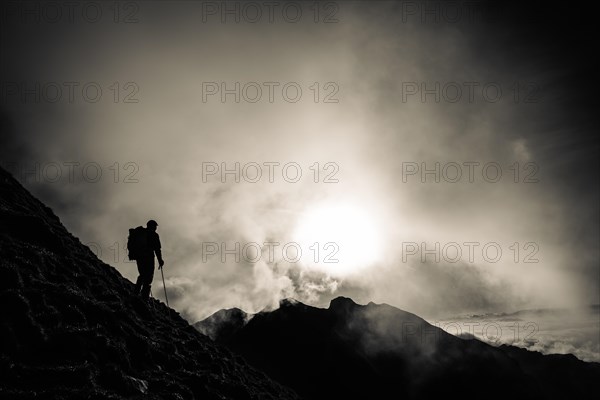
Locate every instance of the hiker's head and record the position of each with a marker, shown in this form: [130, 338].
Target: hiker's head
[152, 224]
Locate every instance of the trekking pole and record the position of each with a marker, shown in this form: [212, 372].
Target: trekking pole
[164, 286]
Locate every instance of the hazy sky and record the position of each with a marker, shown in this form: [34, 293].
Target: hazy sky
[511, 97]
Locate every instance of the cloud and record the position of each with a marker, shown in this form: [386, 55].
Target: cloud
[549, 331]
[371, 133]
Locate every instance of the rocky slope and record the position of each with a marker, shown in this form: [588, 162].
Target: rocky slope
[70, 328]
[350, 351]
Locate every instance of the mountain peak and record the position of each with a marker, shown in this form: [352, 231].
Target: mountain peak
[342, 303]
[223, 322]
[289, 302]
[380, 351]
[72, 327]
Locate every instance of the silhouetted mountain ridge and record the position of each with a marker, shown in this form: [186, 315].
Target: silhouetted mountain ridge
[223, 323]
[72, 329]
[354, 351]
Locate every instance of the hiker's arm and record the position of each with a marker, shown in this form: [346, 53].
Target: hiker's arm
[158, 252]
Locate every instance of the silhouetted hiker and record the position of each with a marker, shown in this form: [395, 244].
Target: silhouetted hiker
[142, 244]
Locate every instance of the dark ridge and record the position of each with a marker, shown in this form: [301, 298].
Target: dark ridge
[71, 328]
[342, 304]
[223, 323]
[351, 351]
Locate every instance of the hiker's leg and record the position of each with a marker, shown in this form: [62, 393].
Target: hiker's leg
[140, 280]
[147, 277]
[138, 285]
[146, 291]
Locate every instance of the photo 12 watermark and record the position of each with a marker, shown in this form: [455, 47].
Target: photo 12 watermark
[70, 12]
[492, 331]
[269, 171]
[68, 92]
[469, 172]
[440, 11]
[271, 12]
[471, 252]
[269, 92]
[115, 253]
[470, 92]
[253, 252]
[73, 172]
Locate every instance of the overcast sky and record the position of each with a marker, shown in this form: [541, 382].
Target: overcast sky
[512, 98]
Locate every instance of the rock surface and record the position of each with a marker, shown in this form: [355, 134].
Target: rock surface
[71, 328]
[377, 351]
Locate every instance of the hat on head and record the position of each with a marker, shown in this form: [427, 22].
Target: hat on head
[151, 223]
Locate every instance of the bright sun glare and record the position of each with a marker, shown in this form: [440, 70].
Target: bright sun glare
[343, 232]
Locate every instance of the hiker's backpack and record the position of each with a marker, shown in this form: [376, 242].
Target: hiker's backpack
[137, 242]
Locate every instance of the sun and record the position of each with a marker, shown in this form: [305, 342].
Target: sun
[339, 238]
